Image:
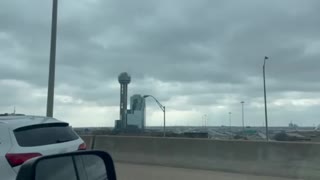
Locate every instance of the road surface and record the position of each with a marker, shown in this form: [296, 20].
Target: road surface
[127, 171]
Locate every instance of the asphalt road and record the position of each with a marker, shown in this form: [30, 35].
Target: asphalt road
[149, 172]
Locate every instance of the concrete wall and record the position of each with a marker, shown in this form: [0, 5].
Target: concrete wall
[298, 160]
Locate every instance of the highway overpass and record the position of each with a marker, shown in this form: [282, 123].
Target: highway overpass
[172, 158]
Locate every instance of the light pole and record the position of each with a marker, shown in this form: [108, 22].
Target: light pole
[163, 108]
[205, 120]
[242, 103]
[230, 121]
[265, 96]
[52, 64]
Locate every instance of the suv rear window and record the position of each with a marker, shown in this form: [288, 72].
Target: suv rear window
[44, 134]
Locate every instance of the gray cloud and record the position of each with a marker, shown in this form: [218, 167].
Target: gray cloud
[196, 56]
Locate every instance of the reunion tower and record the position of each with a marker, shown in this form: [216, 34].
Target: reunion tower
[124, 79]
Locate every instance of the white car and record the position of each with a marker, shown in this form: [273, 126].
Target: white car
[25, 137]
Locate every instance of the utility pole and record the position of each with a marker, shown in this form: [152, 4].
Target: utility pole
[230, 121]
[52, 64]
[265, 97]
[164, 121]
[242, 103]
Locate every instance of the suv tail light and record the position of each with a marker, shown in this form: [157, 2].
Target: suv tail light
[82, 146]
[18, 159]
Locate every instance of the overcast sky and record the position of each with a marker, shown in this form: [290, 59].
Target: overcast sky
[196, 56]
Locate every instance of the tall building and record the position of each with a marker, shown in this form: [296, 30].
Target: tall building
[124, 80]
[136, 113]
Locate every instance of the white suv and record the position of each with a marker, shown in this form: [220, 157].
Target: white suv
[25, 137]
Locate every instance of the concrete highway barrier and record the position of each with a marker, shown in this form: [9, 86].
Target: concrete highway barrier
[295, 160]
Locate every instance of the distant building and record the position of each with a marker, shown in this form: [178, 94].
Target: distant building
[118, 124]
[124, 79]
[133, 118]
[136, 113]
[293, 126]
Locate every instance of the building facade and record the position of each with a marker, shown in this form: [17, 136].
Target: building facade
[136, 113]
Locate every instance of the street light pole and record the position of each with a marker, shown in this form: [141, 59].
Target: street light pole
[242, 103]
[205, 121]
[265, 96]
[163, 108]
[230, 121]
[164, 121]
[50, 96]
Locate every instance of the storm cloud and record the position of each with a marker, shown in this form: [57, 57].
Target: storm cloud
[197, 57]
